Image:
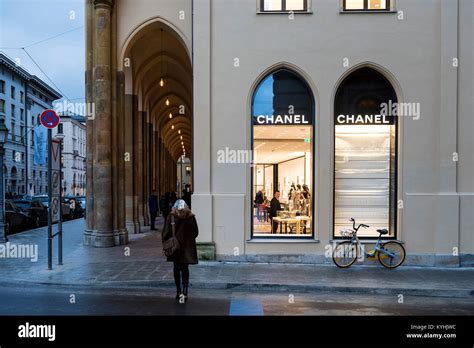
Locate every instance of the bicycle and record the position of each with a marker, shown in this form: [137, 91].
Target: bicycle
[391, 254]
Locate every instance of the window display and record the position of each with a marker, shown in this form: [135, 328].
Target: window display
[365, 154]
[282, 174]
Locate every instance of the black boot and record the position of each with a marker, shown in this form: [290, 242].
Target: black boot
[185, 292]
[178, 294]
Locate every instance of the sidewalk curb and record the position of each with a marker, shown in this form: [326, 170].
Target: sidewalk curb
[455, 293]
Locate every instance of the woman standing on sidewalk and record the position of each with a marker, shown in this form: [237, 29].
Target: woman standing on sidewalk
[186, 232]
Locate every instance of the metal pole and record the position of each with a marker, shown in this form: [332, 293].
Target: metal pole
[50, 203]
[60, 222]
[25, 137]
[3, 236]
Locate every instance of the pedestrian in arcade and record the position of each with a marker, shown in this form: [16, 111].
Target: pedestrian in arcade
[165, 207]
[179, 246]
[153, 206]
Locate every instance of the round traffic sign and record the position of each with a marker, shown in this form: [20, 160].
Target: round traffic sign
[49, 119]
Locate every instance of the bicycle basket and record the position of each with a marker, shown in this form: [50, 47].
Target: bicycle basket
[345, 232]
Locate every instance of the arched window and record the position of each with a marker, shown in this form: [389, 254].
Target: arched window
[283, 147]
[365, 161]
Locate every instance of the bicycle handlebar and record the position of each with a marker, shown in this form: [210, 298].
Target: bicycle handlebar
[360, 225]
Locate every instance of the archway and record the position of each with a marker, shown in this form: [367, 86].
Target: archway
[365, 152]
[142, 93]
[158, 116]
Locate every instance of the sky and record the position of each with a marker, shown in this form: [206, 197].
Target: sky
[26, 22]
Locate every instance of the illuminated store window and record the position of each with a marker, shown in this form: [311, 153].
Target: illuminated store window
[283, 5]
[366, 5]
[282, 119]
[365, 177]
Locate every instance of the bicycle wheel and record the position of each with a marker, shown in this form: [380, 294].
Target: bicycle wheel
[392, 254]
[344, 254]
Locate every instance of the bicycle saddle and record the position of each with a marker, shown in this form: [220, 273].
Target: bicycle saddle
[383, 231]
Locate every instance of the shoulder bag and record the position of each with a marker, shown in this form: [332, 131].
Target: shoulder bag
[171, 246]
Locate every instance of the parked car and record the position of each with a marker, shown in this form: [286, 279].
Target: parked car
[25, 197]
[82, 201]
[75, 206]
[15, 218]
[37, 211]
[66, 212]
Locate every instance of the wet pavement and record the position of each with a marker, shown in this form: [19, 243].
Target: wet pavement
[59, 300]
[140, 264]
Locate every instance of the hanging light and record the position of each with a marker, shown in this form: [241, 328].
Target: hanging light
[179, 132]
[162, 80]
[172, 126]
[167, 102]
[181, 137]
[171, 115]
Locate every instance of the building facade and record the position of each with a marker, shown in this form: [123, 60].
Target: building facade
[73, 154]
[23, 97]
[350, 109]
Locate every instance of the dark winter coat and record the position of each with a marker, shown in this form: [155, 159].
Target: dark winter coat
[164, 206]
[186, 233]
[153, 204]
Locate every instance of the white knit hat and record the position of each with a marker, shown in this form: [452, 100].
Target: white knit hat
[180, 204]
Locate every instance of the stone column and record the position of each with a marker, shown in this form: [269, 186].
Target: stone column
[122, 237]
[161, 172]
[90, 121]
[146, 168]
[149, 167]
[102, 87]
[131, 209]
[114, 131]
[156, 161]
[120, 232]
[138, 164]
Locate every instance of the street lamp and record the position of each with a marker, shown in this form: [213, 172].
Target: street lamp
[3, 138]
